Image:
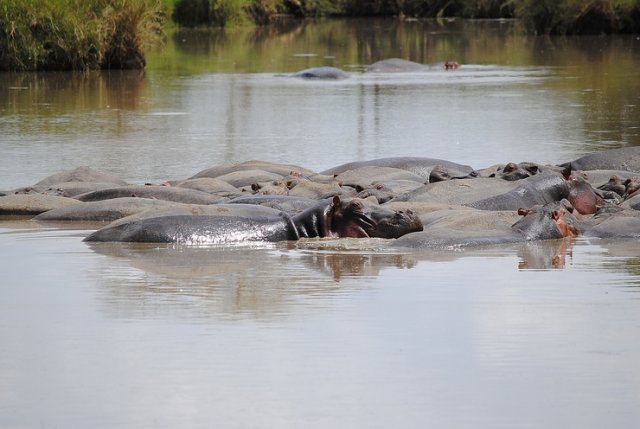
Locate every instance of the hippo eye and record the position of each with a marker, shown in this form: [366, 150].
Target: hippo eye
[356, 205]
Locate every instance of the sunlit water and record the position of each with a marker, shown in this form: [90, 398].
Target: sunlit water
[320, 333]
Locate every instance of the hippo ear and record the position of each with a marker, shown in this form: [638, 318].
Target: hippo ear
[566, 173]
[523, 211]
[336, 205]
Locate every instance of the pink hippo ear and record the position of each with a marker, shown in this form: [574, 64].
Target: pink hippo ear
[523, 211]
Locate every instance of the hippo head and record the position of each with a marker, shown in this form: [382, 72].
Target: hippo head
[632, 187]
[582, 196]
[513, 171]
[354, 219]
[553, 220]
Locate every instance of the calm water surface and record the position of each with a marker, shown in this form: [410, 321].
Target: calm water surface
[320, 333]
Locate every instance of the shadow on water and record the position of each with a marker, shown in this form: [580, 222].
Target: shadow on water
[267, 281]
[56, 93]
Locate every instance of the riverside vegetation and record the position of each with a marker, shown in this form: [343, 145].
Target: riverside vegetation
[105, 34]
[77, 34]
[539, 16]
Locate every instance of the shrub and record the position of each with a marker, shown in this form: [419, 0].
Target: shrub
[211, 13]
[77, 35]
[579, 16]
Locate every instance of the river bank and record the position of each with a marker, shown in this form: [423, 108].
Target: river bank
[103, 34]
[539, 17]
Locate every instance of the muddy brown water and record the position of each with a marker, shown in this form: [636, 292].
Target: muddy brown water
[320, 333]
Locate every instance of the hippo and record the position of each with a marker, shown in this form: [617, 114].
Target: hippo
[271, 167]
[104, 210]
[167, 193]
[32, 204]
[613, 222]
[395, 65]
[336, 218]
[79, 174]
[458, 227]
[284, 203]
[542, 189]
[324, 72]
[417, 165]
[399, 65]
[626, 159]
[209, 185]
[513, 171]
[549, 221]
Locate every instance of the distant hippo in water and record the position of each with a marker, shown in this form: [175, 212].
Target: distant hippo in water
[398, 65]
[335, 218]
[325, 72]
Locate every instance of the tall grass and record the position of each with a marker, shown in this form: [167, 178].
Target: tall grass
[579, 16]
[77, 34]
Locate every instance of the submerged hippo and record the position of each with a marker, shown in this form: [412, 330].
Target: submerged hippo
[335, 218]
[395, 65]
[325, 72]
[399, 65]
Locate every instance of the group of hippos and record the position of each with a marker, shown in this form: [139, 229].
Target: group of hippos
[391, 65]
[413, 202]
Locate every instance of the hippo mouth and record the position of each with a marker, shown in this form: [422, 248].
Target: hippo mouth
[360, 225]
[353, 220]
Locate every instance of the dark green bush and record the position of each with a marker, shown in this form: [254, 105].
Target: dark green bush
[77, 35]
[579, 17]
[211, 13]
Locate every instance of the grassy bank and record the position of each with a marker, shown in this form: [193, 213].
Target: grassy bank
[77, 34]
[539, 16]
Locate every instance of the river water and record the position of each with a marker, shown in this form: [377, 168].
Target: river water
[320, 333]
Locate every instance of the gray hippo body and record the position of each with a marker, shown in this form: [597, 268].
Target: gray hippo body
[419, 166]
[166, 193]
[271, 167]
[32, 204]
[396, 65]
[325, 73]
[613, 222]
[535, 190]
[285, 203]
[399, 65]
[327, 219]
[544, 189]
[626, 159]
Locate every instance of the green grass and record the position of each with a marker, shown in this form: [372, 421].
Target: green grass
[76, 34]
